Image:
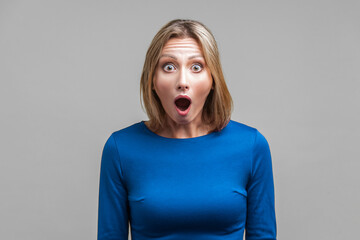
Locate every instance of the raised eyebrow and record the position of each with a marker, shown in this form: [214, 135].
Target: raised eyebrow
[168, 55]
[196, 56]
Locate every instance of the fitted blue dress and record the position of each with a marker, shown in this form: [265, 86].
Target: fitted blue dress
[211, 187]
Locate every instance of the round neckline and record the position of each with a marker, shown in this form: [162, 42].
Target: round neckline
[192, 139]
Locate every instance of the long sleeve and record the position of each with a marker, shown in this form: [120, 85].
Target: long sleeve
[113, 205]
[261, 219]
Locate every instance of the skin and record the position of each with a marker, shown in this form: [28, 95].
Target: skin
[182, 70]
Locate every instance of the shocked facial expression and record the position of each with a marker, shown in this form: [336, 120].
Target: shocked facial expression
[182, 80]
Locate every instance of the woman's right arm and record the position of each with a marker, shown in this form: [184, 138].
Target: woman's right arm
[113, 207]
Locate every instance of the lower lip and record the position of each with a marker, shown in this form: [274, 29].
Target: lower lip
[183, 113]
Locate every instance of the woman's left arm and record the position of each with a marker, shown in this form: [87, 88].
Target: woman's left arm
[261, 219]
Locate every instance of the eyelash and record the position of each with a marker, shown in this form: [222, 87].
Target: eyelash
[170, 64]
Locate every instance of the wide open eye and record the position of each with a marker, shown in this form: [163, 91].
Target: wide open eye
[168, 67]
[196, 67]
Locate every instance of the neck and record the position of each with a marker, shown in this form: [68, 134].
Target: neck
[189, 130]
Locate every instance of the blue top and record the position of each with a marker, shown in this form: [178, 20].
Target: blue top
[210, 187]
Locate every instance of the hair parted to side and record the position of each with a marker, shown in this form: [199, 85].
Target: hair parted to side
[218, 105]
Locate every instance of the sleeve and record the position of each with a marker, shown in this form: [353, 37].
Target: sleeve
[261, 219]
[113, 205]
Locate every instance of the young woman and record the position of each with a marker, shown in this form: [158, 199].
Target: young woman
[190, 172]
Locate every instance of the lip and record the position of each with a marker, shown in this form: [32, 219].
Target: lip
[183, 113]
[183, 96]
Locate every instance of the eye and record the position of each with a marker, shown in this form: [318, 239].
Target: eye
[196, 67]
[168, 67]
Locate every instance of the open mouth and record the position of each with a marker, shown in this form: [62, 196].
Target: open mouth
[182, 103]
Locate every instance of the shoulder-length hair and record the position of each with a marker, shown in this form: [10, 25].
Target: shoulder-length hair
[218, 105]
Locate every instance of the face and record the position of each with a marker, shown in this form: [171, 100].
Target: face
[182, 80]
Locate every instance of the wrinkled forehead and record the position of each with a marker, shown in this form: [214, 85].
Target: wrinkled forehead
[182, 45]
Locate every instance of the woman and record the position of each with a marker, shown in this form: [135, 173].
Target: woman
[189, 172]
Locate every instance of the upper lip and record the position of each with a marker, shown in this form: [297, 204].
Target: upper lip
[183, 96]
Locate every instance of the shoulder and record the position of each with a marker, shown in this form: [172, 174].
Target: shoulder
[127, 140]
[239, 128]
[129, 129]
[245, 132]
[134, 131]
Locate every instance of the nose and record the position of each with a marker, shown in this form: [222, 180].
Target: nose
[182, 83]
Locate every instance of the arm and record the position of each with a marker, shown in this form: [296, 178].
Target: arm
[113, 210]
[261, 219]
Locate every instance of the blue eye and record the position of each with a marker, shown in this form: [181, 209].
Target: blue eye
[196, 67]
[168, 67]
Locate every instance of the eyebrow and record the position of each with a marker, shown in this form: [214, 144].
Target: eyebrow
[172, 56]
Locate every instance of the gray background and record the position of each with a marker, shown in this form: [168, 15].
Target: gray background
[70, 75]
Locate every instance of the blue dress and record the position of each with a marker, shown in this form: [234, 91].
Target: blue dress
[210, 187]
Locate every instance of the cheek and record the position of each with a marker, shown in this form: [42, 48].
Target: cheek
[203, 87]
[162, 86]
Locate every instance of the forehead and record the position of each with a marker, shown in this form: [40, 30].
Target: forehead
[174, 45]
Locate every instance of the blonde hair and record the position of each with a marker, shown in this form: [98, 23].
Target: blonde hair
[218, 105]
